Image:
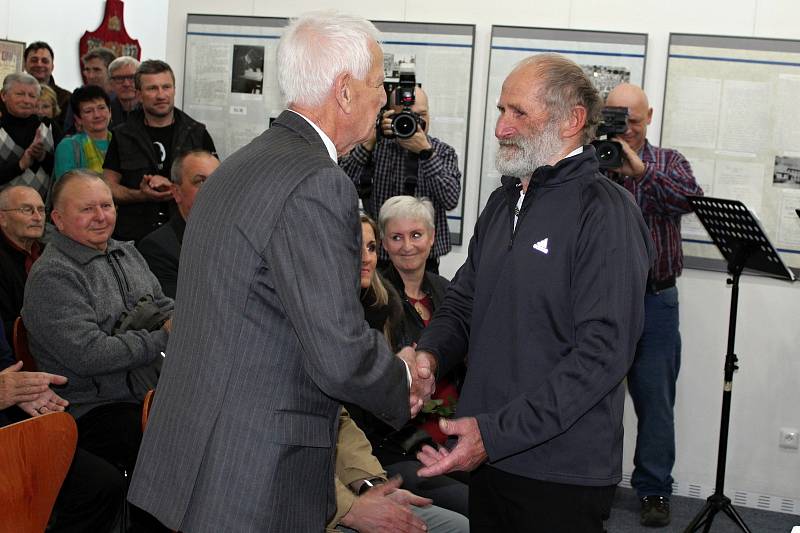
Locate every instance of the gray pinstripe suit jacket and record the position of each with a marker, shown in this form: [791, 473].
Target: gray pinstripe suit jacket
[269, 336]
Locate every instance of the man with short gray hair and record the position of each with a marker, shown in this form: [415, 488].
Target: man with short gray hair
[21, 226]
[26, 140]
[270, 335]
[122, 72]
[547, 308]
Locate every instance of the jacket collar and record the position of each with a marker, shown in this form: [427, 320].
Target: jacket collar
[296, 123]
[80, 253]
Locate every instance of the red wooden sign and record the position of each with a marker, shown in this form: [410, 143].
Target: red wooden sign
[111, 34]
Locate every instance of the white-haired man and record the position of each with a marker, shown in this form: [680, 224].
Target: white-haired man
[270, 334]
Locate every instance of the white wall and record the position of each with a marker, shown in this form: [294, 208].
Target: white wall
[766, 393]
[62, 23]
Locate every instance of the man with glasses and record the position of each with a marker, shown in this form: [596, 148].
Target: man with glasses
[21, 226]
[162, 248]
[122, 72]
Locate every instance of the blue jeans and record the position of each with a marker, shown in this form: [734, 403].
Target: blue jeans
[651, 383]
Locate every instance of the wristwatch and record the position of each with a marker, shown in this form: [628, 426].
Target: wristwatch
[425, 154]
[369, 483]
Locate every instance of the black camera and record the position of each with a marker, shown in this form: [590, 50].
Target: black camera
[615, 122]
[406, 122]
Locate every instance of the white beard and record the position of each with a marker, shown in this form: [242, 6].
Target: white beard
[520, 156]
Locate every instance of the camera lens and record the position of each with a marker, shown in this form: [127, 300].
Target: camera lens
[607, 152]
[404, 125]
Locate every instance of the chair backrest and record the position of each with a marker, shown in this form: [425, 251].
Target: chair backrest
[148, 401]
[35, 455]
[21, 349]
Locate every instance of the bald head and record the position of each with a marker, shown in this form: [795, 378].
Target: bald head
[639, 112]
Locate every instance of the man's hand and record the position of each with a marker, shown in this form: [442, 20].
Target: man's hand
[167, 326]
[30, 390]
[34, 152]
[416, 143]
[468, 454]
[632, 165]
[155, 187]
[385, 507]
[421, 366]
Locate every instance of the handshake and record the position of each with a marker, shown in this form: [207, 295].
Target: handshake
[422, 366]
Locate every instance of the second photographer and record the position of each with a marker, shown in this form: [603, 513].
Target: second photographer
[420, 165]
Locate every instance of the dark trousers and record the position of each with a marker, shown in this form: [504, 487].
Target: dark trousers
[90, 498]
[499, 501]
[114, 432]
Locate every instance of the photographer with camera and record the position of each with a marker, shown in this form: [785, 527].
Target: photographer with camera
[659, 179]
[402, 159]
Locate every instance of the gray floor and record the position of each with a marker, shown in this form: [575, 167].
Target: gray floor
[625, 517]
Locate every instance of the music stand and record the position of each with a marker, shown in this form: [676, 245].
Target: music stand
[740, 238]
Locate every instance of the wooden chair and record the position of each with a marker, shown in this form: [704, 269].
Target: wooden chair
[21, 349]
[146, 404]
[35, 455]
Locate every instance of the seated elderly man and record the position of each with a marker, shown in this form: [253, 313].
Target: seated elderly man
[162, 247]
[26, 140]
[21, 227]
[96, 315]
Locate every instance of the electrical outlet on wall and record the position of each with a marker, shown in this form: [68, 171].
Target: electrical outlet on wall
[790, 438]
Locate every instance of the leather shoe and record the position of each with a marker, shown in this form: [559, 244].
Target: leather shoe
[655, 511]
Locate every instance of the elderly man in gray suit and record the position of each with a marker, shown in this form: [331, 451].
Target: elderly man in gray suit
[270, 335]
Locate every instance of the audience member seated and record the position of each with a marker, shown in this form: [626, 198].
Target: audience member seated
[162, 248]
[80, 294]
[47, 104]
[122, 72]
[407, 226]
[88, 148]
[21, 226]
[38, 58]
[89, 499]
[142, 149]
[95, 72]
[383, 310]
[26, 141]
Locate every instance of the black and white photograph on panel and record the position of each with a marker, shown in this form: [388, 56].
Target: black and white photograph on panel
[606, 77]
[247, 71]
[787, 172]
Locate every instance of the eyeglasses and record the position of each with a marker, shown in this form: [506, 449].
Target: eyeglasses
[120, 79]
[27, 210]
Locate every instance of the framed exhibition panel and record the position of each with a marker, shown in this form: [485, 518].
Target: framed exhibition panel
[730, 107]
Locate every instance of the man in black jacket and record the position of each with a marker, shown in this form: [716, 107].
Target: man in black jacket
[141, 152]
[162, 248]
[548, 309]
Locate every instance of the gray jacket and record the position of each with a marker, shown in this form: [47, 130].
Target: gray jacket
[73, 298]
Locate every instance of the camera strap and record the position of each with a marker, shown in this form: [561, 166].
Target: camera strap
[410, 171]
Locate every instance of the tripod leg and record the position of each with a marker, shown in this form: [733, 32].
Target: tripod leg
[711, 515]
[700, 519]
[733, 515]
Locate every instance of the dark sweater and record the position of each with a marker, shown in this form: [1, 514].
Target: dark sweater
[549, 314]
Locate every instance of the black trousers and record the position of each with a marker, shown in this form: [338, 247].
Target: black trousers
[499, 501]
[114, 432]
[90, 498]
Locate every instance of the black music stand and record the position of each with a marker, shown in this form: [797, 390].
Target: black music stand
[740, 238]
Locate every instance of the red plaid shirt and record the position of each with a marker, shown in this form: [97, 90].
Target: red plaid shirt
[661, 194]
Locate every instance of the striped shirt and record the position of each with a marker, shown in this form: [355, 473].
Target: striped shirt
[438, 179]
[661, 194]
